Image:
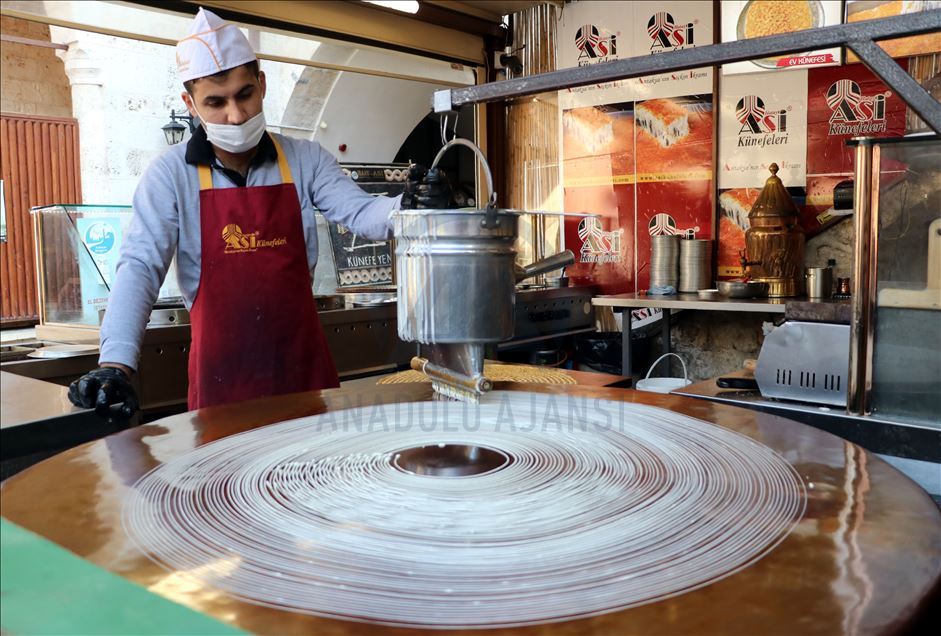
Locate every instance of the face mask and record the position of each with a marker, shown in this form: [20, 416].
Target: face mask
[236, 138]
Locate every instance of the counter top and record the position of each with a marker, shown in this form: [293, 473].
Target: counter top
[692, 301]
[25, 400]
[37, 419]
[920, 442]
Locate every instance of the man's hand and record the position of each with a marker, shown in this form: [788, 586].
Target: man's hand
[426, 189]
[102, 388]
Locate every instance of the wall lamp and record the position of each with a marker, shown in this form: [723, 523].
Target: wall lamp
[174, 130]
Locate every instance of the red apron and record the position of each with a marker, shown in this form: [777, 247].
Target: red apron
[254, 321]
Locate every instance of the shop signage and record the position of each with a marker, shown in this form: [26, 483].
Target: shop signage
[598, 245]
[842, 103]
[102, 238]
[760, 126]
[855, 113]
[846, 102]
[762, 120]
[667, 35]
[593, 47]
[661, 27]
[638, 152]
[596, 32]
[742, 20]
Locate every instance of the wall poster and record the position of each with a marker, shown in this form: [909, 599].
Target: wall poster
[745, 19]
[637, 152]
[598, 178]
[842, 103]
[762, 120]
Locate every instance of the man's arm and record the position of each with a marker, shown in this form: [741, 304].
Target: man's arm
[344, 202]
[146, 253]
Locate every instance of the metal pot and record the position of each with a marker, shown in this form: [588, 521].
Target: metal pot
[455, 278]
[456, 270]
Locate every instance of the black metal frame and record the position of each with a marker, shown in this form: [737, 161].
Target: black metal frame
[860, 37]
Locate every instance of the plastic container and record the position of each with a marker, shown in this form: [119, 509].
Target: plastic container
[664, 385]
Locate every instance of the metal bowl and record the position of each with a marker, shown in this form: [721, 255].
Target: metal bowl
[742, 289]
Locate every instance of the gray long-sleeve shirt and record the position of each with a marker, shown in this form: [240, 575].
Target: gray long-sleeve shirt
[166, 222]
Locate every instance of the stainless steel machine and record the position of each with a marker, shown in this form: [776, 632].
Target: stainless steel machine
[805, 361]
[456, 279]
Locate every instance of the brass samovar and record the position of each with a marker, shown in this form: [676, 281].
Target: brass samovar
[774, 242]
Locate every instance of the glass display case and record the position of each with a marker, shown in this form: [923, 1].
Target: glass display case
[906, 269]
[77, 249]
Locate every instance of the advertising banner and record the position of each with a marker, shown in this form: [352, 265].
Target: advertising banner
[598, 178]
[597, 32]
[663, 27]
[845, 102]
[636, 152]
[842, 102]
[859, 10]
[762, 120]
[745, 19]
[593, 33]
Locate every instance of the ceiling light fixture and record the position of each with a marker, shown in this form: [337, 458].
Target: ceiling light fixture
[408, 6]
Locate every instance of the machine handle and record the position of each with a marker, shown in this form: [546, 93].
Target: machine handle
[490, 219]
[749, 384]
[478, 384]
[556, 261]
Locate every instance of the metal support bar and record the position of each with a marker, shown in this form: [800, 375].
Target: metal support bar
[856, 389]
[882, 64]
[665, 330]
[14, 39]
[626, 369]
[712, 55]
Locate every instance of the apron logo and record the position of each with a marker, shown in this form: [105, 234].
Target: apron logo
[236, 241]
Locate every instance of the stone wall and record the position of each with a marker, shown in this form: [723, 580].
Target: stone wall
[32, 79]
[835, 242]
[714, 343]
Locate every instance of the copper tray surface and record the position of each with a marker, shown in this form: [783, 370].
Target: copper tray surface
[865, 559]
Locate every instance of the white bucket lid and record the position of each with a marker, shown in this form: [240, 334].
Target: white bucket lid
[662, 385]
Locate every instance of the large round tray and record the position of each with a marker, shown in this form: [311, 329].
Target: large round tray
[865, 557]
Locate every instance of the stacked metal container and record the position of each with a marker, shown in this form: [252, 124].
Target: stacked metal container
[695, 265]
[664, 255]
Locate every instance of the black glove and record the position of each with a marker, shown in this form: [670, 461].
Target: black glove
[103, 388]
[426, 189]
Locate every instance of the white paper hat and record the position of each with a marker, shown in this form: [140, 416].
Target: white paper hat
[212, 45]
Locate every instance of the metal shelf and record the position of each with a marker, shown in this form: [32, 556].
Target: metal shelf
[860, 37]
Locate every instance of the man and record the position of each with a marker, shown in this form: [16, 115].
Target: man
[236, 205]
